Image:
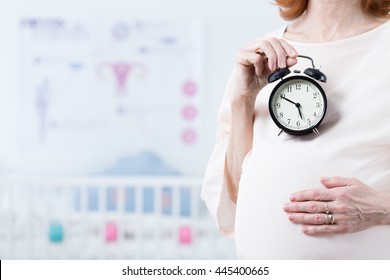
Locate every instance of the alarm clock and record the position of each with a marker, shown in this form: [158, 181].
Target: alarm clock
[298, 103]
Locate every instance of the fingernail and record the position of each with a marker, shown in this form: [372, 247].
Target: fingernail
[286, 207]
[291, 217]
[293, 198]
[326, 179]
[293, 53]
[305, 230]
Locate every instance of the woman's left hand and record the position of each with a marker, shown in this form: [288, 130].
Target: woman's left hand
[352, 206]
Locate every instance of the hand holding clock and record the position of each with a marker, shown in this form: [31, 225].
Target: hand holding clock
[256, 61]
[353, 205]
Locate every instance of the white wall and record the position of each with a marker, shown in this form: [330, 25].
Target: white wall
[229, 25]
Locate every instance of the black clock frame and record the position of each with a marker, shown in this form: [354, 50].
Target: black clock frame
[282, 83]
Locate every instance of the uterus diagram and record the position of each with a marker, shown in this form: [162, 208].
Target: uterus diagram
[123, 73]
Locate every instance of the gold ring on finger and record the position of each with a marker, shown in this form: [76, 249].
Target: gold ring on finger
[327, 219]
[332, 220]
[326, 208]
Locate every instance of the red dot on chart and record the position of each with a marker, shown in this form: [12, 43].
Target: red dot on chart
[189, 136]
[189, 112]
[189, 88]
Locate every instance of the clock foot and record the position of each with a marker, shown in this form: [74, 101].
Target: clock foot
[315, 130]
[280, 132]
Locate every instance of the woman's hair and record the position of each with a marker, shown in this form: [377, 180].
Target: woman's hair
[291, 9]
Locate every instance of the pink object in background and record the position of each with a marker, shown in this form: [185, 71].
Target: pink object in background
[111, 232]
[121, 71]
[190, 88]
[185, 235]
[189, 136]
[189, 112]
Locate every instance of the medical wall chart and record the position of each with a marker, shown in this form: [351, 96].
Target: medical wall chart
[105, 95]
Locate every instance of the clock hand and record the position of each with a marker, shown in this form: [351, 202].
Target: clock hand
[296, 105]
[299, 110]
[289, 100]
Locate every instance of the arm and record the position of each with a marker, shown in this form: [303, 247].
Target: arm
[235, 126]
[240, 141]
[253, 66]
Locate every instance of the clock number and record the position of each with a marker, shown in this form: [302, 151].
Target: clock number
[308, 121]
[298, 123]
[318, 105]
[315, 114]
[315, 95]
[307, 88]
[298, 86]
[289, 89]
[281, 114]
[288, 121]
[278, 105]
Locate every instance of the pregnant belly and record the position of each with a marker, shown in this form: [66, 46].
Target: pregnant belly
[263, 230]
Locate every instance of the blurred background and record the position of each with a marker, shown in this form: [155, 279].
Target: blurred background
[108, 114]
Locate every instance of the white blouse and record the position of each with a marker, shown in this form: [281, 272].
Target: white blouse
[354, 142]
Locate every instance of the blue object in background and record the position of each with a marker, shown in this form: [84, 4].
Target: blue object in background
[130, 199]
[148, 200]
[56, 233]
[111, 199]
[185, 202]
[93, 198]
[166, 201]
[145, 163]
[76, 199]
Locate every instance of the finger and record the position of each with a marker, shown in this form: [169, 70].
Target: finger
[291, 61]
[324, 229]
[280, 52]
[264, 47]
[308, 219]
[261, 65]
[288, 49]
[313, 195]
[307, 207]
[251, 59]
[334, 182]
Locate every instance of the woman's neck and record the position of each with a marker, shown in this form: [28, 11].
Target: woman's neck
[331, 20]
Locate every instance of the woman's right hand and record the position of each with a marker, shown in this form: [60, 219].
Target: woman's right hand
[256, 61]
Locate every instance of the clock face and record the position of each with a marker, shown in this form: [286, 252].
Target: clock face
[297, 105]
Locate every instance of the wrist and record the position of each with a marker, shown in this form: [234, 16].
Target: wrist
[386, 210]
[241, 101]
